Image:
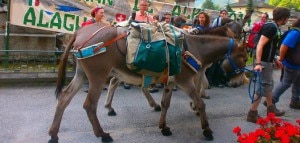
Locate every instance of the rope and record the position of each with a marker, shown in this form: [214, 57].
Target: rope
[256, 79]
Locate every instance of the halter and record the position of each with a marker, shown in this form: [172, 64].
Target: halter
[256, 78]
[236, 70]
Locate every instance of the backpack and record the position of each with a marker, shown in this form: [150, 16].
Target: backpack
[258, 34]
[293, 54]
[254, 36]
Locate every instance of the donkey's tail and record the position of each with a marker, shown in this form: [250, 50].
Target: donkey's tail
[61, 79]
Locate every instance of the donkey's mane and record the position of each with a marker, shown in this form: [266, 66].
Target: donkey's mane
[226, 20]
[208, 38]
[218, 31]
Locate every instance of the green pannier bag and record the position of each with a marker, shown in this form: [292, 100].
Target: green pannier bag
[175, 52]
[175, 59]
[146, 49]
[150, 57]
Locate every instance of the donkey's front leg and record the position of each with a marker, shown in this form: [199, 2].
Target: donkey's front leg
[189, 88]
[165, 104]
[200, 108]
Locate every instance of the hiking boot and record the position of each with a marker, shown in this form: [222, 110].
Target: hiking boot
[253, 116]
[273, 109]
[295, 105]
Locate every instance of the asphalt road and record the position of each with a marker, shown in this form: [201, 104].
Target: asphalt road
[26, 113]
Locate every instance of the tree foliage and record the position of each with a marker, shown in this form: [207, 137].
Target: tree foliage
[249, 6]
[286, 3]
[228, 7]
[296, 4]
[274, 2]
[208, 4]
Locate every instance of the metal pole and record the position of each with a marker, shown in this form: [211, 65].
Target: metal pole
[7, 31]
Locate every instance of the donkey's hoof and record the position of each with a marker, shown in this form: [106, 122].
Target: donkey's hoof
[208, 134]
[53, 140]
[166, 132]
[157, 108]
[112, 113]
[107, 139]
[192, 106]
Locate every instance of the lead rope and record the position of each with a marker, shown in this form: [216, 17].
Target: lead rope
[256, 79]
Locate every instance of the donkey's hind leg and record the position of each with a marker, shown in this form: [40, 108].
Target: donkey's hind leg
[63, 100]
[113, 84]
[96, 85]
[150, 100]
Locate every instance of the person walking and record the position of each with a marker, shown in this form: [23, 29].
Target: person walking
[167, 17]
[97, 16]
[264, 17]
[289, 60]
[265, 53]
[142, 15]
[217, 22]
[201, 22]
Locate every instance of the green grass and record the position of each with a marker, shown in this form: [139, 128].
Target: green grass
[250, 60]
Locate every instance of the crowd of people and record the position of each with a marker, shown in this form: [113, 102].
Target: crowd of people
[264, 50]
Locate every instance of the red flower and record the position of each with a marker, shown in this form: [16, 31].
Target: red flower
[271, 129]
[298, 121]
[279, 133]
[237, 130]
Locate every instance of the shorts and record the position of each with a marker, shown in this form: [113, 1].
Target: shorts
[266, 79]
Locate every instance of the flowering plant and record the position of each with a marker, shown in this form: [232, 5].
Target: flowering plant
[271, 130]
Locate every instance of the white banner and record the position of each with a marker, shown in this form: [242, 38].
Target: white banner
[67, 15]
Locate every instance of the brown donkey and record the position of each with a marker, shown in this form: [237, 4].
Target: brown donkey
[96, 69]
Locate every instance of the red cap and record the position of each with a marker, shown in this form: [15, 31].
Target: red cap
[95, 10]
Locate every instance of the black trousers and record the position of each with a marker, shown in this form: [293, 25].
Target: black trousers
[215, 74]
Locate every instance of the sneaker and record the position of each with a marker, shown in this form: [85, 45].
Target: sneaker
[252, 116]
[126, 86]
[174, 88]
[295, 105]
[220, 85]
[152, 89]
[274, 110]
[209, 87]
[159, 85]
